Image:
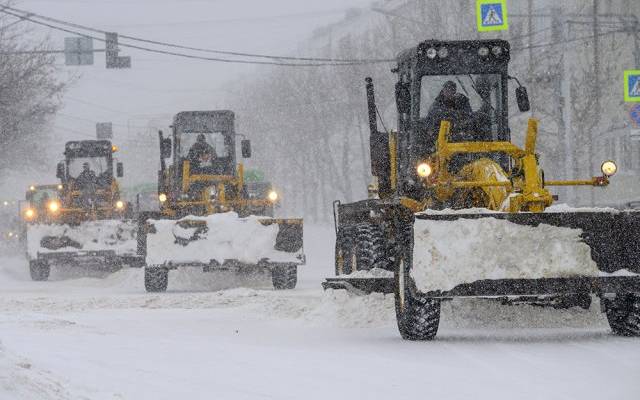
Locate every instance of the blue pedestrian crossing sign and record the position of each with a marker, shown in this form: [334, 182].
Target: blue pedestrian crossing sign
[632, 86]
[492, 15]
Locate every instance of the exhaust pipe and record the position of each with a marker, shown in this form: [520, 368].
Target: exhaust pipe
[371, 107]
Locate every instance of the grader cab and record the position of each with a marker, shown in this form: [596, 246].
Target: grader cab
[460, 211]
[207, 218]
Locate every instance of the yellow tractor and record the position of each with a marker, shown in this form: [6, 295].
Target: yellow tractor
[457, 210]
[207, 218]
[82, 220]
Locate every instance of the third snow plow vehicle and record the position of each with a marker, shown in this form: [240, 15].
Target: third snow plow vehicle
[207, 219]
[83, 220]
[463, 212]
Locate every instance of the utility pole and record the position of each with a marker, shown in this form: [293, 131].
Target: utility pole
[596, 81]
[562, 96]
[530, 31]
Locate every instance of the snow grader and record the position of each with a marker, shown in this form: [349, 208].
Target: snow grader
[458, 210]
[207, 218]
[82, 220]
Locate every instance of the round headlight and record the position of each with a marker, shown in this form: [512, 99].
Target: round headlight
[273, 195]
[162, 197]
[424, 170]
[119, 204]
[483, 51]
[496, 50]
[6, 203]
[609, 168]
[443, 52]
[32, 188]
[54, 206]
[59, 187]
[432, 52]
[29, 213]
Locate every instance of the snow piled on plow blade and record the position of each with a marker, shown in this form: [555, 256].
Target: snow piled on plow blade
[116, 235]
[450, 253]
[216, 237]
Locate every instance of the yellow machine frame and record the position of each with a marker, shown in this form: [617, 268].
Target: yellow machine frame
[223, 203]
[526, 188]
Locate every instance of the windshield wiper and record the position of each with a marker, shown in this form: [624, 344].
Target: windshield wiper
[473, 85]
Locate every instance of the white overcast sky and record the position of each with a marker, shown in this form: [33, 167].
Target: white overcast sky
[160, 85]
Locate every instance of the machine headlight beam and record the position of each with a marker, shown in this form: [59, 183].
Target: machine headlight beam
[29, 213]
[53, 207]
[119, 204]
[162, 197]
[273, 196]
[424, 170]
[609, 168]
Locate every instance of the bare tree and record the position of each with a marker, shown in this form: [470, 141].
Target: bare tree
[30, 93]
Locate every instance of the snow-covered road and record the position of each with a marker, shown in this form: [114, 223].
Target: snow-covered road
[105, 338]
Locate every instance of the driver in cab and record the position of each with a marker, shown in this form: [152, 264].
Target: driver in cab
[87, 177]
[448, 105]
[201, 154]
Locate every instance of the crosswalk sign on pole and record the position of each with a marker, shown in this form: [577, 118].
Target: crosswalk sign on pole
[492, 15]
[632, 86]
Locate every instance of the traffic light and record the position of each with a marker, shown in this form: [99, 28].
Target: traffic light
[111, 51]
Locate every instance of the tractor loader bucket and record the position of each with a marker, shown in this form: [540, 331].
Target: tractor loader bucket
[108, 244]
[525, 254]
[219, 239]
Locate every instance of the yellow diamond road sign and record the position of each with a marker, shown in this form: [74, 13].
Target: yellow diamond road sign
[492, 15]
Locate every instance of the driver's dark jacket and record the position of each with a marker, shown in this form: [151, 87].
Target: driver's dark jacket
[458, 112]
[86, 180]
[198, 150]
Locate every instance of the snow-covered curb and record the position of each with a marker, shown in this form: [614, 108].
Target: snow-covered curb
[226, 237]
[449, 253]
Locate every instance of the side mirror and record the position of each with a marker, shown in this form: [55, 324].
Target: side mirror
[523, 99]
[60, 171]
[246, 148]
[403, 98]
[165, 148]
[119, 170]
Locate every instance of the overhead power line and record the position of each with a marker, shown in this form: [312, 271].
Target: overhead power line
[308, 61]
[352, 61]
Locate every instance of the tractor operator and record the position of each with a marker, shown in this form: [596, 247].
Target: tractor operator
[201, 153]
[87, 177]
[450, 106]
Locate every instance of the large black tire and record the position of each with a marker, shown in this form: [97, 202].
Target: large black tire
[156, 279]
[345, 251]
[362, 247]
[39, 270]
[418, 316]
[623, 314]
[284, 277]
[372, 250]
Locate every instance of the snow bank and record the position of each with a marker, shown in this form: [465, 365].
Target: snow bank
[567, 208]
[226, 237]
[19, 379]
[119, 236]
[449, 253]
[370, 274]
